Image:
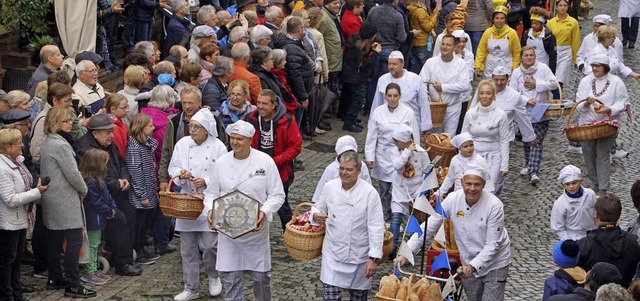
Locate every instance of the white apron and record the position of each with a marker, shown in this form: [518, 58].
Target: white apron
[541, 55]
[565, 63]
[499, 54]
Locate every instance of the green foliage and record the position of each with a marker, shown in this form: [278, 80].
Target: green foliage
[29, 17]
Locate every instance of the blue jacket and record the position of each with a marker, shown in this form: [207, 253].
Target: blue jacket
[98, 205]
[143, 10]
[563, 281]
[177, 30]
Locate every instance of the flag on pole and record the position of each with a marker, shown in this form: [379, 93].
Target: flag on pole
[440, 236]
[441, 262]
[439, 209]
[429, 181]
[405, 251]
[422, 203]
[449, 287]
[413, 226]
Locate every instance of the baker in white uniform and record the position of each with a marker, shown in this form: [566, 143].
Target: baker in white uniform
[255, 174]
[350, 209]
[449, 79]
[414, 92]
[478, 225]
[193, 159]
[591, 40]
[343, 144]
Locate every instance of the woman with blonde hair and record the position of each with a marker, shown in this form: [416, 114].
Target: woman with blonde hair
[422, 19]
[135, 77]
[39, 99]
[237, 105]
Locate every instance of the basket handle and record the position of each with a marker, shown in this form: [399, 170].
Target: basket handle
[549, 93]
[295, 211]
[576, 105]
[168, 187]
[439, 92]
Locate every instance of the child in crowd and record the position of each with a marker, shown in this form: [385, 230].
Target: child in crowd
[98, 207]
[466, 154]
[573, 212]
[141, 163]
[410, 164]
[634, 227]
[569, 276]
[261, 9]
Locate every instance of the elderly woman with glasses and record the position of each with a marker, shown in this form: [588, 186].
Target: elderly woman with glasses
[238, 104]
[16, 195]
[62, 204]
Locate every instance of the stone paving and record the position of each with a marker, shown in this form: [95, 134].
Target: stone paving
[527, 211]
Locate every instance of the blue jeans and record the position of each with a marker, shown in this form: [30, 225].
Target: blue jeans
[475, 39]
[161, 228]
[134, 32]
[419, 56]
[394, 227]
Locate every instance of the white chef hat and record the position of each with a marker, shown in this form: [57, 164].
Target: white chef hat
[569, 173]
[205, 118]
[402, 132]
[501, 70]
[346, 143]
[600, 58]
[458, 34]
[241, 127]
[461, 138]
[396, 55]
[476, 170]
[604, 19]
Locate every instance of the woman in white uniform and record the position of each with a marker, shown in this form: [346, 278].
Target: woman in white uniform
[499, 46]
[193, 159]
[489, 127]
[379, 148]
[534, 81]
[611, 91]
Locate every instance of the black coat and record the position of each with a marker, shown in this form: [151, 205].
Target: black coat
[580, 294]
[352, 71]
[299, 66]
[268, 80]
[612, 245]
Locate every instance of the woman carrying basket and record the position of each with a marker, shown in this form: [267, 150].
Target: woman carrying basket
[605, 94]
[192, 161]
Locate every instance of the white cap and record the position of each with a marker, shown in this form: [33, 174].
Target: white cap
[604, 19]
[396, 55]
[241, 127]
[476, 170]
[600, 58]
[402, 132]
[569, 173]
[205, 118]
[461, 138]
[346, 143]
[459, 34]
[501, 70]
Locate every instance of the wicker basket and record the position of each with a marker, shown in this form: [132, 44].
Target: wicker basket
[446, 152]
[557, 110]
[438, 111]
[382, 298]
[300, 244]
[179, 205]
[589, 131]
[387, 247]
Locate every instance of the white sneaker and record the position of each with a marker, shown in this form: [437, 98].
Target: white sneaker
[574, 150]
[619, 154]
[524, 171]
[215, 286]
[185, 296]
[534, 179]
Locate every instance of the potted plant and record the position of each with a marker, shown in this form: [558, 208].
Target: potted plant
[28, 17]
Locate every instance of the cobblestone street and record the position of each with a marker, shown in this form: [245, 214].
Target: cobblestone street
[527, 212]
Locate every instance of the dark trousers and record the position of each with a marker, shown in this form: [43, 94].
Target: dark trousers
[574, 8]
[117, 235]
[463, 111]
[130, 218]
[161, 228]
[143, 222]
[11, 250]
[134, 32]
[285, 212]
[380, 69]
[354, 97]
[629, 29]
[40, 243]
[71, 255]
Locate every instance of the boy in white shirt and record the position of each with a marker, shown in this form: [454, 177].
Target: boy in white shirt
[573, 212]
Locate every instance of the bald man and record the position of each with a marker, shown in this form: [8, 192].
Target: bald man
[50, 61]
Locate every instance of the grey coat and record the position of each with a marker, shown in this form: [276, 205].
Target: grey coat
[61, 203]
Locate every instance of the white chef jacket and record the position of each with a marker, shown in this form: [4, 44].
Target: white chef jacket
[629, 9]
[545, 82]
[355, 232]
[405, 189]
[333, 172]
[616, 98]
[571, 218]
[414, 95]
[479, 230]
[588, 43]
[489, 128]
[379, 146]
[256, 176]
[469, 60]
[515, 105]
[615, 63]
[199, 161]
[456, 171]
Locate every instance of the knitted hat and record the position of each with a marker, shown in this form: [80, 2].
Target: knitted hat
[604, 273]
[367, 30]
[566, 253]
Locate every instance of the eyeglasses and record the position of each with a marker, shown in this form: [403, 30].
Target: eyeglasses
[19, 144]
[195, 127]
[124, 107]
[67, 100]
[236, 95]
[94, 71]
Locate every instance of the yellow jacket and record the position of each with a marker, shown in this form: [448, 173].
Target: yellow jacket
[419, 19]
[505, 31]
[567, 33]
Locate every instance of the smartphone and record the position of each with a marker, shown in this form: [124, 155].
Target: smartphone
[45, 181]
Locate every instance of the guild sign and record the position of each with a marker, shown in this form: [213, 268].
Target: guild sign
[235, 214]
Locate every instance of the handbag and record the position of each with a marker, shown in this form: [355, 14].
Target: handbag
[320, 98]
[85, 253]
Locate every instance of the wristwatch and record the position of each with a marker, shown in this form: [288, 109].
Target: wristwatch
[373, 258]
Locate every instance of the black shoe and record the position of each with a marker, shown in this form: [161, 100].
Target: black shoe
[323, 125]
[28, 258]
[352, 128]
[297, 165]
[632, 45]
[145, 260]
[166, 249]
[79, 291]
[129, 270]
[28, 288]
[360, 126]
[55, 284]
[148, 241]
[358, 120]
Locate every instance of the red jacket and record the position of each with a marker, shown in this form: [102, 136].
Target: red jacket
[120, 137]
[350, 24]
[287, 141]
